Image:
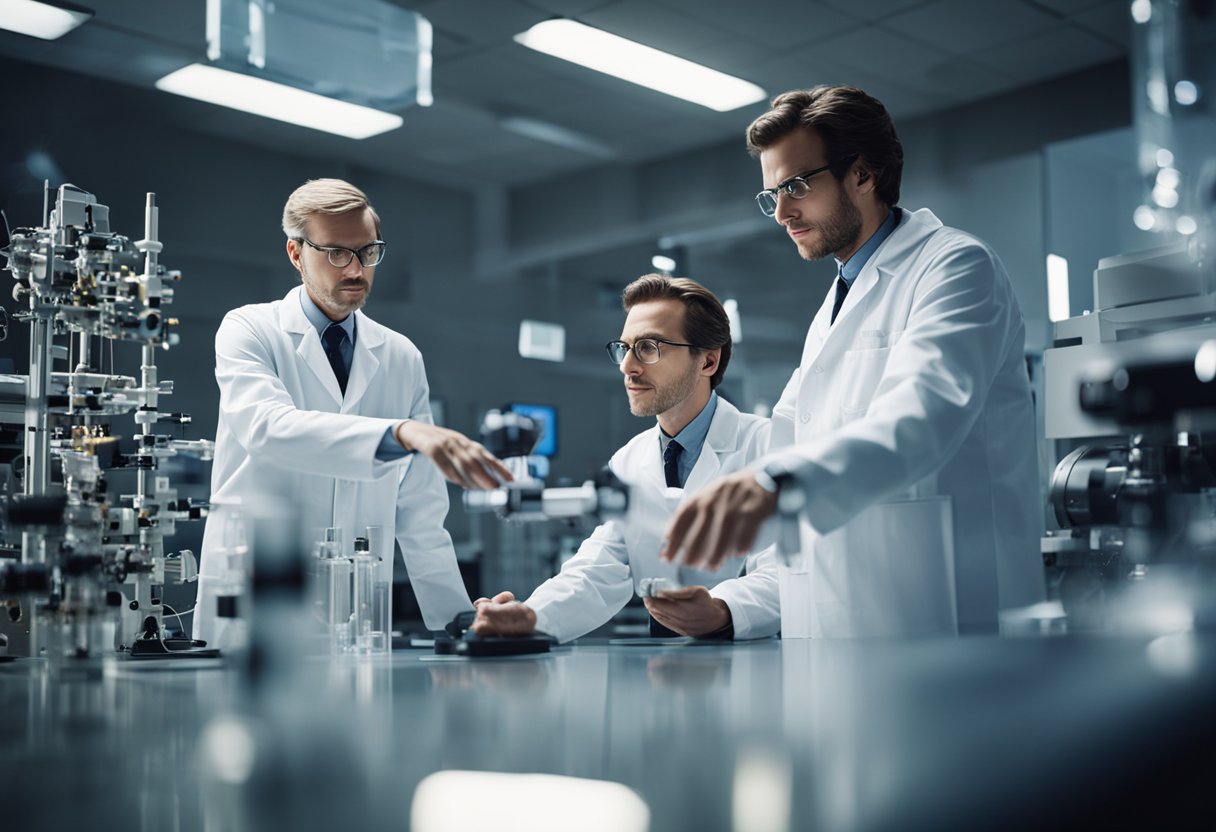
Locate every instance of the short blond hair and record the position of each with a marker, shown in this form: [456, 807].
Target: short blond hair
[323, 196]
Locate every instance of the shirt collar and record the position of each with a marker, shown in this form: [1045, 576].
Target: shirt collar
[849, 270]
[694, 433]
[320, 320]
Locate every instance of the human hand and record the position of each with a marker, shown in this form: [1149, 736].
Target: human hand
[719, 521]
[501, 598]
[463, 461]
[502, 615]
[690, 611]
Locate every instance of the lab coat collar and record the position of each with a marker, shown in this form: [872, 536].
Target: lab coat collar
[364, 364]
[910, 233]
[723, 438]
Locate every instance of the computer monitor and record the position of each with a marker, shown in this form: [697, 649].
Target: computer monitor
[546, 418]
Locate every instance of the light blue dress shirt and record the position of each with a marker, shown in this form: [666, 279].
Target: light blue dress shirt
[849, 271]
[691, 439]
[389, 448]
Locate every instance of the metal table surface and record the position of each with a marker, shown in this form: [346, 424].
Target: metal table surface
[975, 733]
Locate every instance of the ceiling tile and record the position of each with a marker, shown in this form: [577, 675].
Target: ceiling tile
[654, 25]
[730, 54]
[570, 8]
[1109, 20]
[1048, 55]
[499, 80]
[1070, 7]
[876, 51]
[184, 24]
[779, 25]
[962, 27]
[875, 9]
[478, 22]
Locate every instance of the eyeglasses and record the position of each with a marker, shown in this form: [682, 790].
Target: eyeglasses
[796, 187]
[645, 350]
[339, 257]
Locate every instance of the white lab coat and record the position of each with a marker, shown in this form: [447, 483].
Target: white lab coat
[285, 430]
[909, 423]
[610, 565]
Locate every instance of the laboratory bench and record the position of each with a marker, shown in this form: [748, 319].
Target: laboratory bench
[976, 733]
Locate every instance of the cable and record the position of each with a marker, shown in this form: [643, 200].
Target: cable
[177, 615]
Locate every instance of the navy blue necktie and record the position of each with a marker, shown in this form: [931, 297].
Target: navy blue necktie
[332, 340]
[671, 463]
[842, 289]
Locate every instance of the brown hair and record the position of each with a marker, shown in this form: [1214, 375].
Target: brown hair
[323, 196]
[849, 121]
[705, 321]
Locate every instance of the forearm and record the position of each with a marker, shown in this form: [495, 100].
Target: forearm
[754, 602]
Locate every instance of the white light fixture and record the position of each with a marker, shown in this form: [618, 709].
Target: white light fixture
[731, 307]
[1057, 288]
[542, 341]
[663, 263]
[525, 801]
[41, 20]
[278, 101]
[631, 61]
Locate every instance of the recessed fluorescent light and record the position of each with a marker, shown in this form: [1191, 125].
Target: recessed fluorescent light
[631, 61]
[41, 20]
[278, 101]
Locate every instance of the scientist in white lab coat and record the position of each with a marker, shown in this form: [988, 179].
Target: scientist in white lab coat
[673, 352]
[325, 407]
[908, 426]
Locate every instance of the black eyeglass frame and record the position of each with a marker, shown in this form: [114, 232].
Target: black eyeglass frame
[353, 254]
[775, 191]
[634, 349]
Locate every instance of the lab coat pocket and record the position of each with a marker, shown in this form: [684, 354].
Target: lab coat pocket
[861, 371]
[900, 564]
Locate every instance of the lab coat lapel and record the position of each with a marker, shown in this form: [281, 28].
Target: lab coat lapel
[650, 461]
[909, 234]
[368, 340]
[723, 438]
[308, 344]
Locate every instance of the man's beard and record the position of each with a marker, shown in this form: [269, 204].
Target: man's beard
[332, 299]
[838, 232]
[669, 397]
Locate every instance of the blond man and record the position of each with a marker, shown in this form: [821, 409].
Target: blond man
[323, 406]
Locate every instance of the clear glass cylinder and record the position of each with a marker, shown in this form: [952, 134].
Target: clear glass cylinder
[337, 574]
[232, 584]
[364, 617]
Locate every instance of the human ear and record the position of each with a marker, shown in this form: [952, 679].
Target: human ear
[294, 253]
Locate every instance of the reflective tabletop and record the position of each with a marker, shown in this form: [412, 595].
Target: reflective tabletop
[973, 733]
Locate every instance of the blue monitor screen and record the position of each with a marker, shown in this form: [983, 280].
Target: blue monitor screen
[546, 418]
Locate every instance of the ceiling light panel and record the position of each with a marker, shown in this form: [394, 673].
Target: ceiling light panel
[278, 101]
[643, 65]
[41, 20]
